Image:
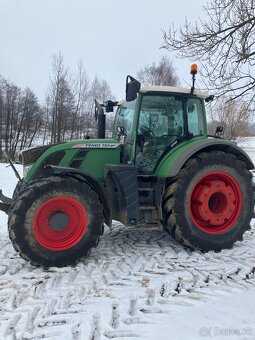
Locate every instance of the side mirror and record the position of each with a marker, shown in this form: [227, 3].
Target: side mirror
[219, 131]
[209, 99]
[132, 88]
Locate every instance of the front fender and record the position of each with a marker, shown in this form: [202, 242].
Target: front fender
[173, 161]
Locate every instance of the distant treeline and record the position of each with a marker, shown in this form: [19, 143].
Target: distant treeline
[67, 112]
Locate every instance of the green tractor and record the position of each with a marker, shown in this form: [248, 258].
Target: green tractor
[160, 169]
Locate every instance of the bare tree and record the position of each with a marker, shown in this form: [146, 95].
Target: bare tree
[1, 116]
[68, 111]
[20, 117]
[70, 102]
[223, 43]
[62, 99]
[162, 73]
[234, 116]
[253, 129]
[28, 122]
[99, 90]
[81, 95]
[46, 116]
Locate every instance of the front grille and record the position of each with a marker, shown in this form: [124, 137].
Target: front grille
[53, 159]
[30, 156]
[78, 159]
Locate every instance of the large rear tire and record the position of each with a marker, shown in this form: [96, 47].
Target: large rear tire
[209, 205]
[55, 221]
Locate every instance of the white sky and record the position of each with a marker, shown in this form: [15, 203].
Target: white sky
[113, 38]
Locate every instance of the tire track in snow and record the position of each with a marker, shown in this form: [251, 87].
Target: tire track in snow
[61, 302]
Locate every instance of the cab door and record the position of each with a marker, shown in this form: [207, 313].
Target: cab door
[123, 129]
[160, 123]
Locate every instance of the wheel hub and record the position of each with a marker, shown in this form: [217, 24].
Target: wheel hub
[58, 221]
[215, 202]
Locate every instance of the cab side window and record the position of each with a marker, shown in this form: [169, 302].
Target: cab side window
[195, 117]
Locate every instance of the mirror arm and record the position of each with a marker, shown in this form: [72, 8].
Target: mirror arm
[98, 109]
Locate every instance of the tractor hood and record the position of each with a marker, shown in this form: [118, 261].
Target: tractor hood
[29, 156]
[88, 155]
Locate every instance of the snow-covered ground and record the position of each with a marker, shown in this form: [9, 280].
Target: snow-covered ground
[136, 285]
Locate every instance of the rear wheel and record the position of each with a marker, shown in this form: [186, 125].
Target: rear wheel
[55, 221]
[210, 203]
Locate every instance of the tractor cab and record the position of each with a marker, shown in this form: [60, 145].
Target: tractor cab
[159, 118]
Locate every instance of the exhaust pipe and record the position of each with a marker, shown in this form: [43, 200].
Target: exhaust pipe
[101, 126]
[100, 117]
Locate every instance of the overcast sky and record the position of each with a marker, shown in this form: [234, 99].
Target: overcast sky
[113, 38]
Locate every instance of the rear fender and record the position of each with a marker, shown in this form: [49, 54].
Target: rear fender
[172, 163]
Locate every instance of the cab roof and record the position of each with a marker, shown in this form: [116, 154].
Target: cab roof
[171, 89]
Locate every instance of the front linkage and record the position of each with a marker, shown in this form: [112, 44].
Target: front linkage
[5, 203]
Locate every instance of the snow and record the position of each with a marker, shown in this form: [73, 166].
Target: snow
[247, 143]
[137, 284]
[215, 318]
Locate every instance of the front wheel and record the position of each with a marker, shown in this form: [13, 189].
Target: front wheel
[55, 221]
[210, 203]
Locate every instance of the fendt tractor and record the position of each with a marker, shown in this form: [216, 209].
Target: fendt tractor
[159, 170]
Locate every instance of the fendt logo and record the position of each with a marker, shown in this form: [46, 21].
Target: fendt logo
[97, 145]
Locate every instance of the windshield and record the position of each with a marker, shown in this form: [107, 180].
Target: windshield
[163, 120]
[124, 118]
[163, 115]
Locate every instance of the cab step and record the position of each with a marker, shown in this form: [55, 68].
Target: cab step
[147, 207]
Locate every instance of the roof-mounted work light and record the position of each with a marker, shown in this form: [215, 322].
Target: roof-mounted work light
[193, 71]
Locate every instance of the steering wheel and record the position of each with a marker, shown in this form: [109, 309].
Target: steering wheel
[147, 132]
[163, 139]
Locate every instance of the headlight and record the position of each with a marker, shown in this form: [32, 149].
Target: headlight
[26, 169]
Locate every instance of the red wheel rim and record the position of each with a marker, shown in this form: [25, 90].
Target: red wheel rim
[60, 223]
[215, 202]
